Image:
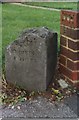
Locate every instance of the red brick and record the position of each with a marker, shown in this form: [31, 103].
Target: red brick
[70, 18]
[73, 75]
[69, 32]
[62, 60]
[72, 65]
[63, 77]
[63, 70]
[73, 55]
[63, 41]
[74, 84]
[73, 45]
[69, 48]
[68, 53]
[63, 51]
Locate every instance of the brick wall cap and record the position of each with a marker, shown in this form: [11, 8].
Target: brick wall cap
[76, 11]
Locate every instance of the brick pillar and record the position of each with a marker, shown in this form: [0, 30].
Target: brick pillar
[69, 46]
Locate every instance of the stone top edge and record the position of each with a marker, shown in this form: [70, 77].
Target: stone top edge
[39, 31]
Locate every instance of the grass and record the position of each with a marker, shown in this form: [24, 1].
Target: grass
[0, 36]
[58, 5]
[17, 18]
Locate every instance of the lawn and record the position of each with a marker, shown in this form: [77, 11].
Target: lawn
[0, 36]
[58, 5]
[17, 18]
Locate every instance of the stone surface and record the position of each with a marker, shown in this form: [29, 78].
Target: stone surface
[31, 59]
[62, 83]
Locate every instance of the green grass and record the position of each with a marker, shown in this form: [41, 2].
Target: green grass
[17, 18]
[58, 5]
[0, 36]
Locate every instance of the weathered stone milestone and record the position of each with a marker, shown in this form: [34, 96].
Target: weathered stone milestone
[31, 59]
